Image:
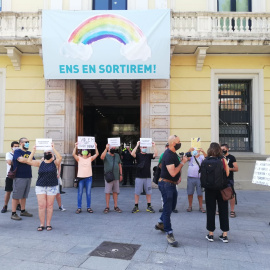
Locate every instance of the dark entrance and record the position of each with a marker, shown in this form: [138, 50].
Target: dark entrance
[109, 108]
[235, 127]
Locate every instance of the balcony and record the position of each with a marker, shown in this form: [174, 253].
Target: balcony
[219, 32]
[230, 32]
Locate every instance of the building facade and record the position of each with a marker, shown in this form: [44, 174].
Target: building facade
[219, 86]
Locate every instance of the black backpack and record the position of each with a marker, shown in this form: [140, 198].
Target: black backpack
[213, 175]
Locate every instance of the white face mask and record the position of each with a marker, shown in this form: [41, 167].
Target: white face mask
[14, 148]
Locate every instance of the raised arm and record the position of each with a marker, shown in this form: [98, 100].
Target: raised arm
[155, 150]
[133, 153]
[58, 156]
[74, 152]
[226, 167]
[30, 161]
[96, 154]
[103, 155]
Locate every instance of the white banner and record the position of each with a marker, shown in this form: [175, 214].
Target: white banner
[86, 142]
[114, 142]
[261, 174]
[44, 144]
[146, 142]
[106, 44]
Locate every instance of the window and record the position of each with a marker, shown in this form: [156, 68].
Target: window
[109, 4]
[0, 5]
[235, 114]
[234, 5]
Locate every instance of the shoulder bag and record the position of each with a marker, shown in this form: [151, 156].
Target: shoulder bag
[109, 176]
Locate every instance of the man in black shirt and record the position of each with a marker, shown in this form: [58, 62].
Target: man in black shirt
[127, 161]
[233, 167]
[143, 176]
[169, 177]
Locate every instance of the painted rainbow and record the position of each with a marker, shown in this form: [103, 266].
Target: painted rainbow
[106, 26]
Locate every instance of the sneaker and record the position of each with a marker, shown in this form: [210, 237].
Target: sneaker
[61, 208]
[159, 226]
[25, 214]
[210, 238]
[175, 211]
[18, 207]
[171, 240]
[224, 239]
[135, 210]
[4, 210]
[150, 209]
[161, 210]
[15, 217]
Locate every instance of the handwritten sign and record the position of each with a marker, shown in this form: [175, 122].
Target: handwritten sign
[86, 142]
[196, 143]
[146, 142]
[44, 144]
[115, 142]
[261, 174]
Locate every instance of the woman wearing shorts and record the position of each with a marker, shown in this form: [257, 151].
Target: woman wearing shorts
[84, 175]
[193, 179]
[47, 184]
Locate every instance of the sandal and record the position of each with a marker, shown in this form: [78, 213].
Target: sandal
[49, 228]
[117, 209]
[202, 210]
[78, 211]
[106, 210]
[189, 209]
[232, 214]
[89, 210]
[40, 228]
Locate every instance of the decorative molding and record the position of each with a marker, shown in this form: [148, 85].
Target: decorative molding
[159, 121]
[257, 87]
[57, 134]
[15, 56]
[159, 96]
[158, 135]
[59, 145]
[160, 84]
[161, 4]
[145, 109]
[200, 56]
[54, 108]
[55, 84]
[172, 50]
[54, 121]
[55, 95]
[160, 109]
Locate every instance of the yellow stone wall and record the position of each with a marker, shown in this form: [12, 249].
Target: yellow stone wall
[190, 92]
[24, 100]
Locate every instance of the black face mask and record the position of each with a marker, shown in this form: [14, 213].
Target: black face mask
[112, 151]
[177, 146]
[47, 156]
[224, 152]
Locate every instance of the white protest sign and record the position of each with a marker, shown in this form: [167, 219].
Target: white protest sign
[86, 142]
[146, 142]
[261, 174]
[44, 144]
[115, 142]
[196, 143]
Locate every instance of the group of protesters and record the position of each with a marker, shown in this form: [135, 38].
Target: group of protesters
[20, 160]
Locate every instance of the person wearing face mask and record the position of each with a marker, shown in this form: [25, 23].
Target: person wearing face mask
[9, 181]
[233, 167]
[112, 162]
[84, 175]
[22, 181]
[143, 176]
[169, 177]
[193, 177]
[46, 185]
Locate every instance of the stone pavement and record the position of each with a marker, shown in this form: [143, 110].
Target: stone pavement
[74, 236]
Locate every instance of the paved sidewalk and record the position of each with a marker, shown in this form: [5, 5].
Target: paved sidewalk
[74, 236]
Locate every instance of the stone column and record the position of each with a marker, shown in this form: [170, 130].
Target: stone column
[60, 122]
